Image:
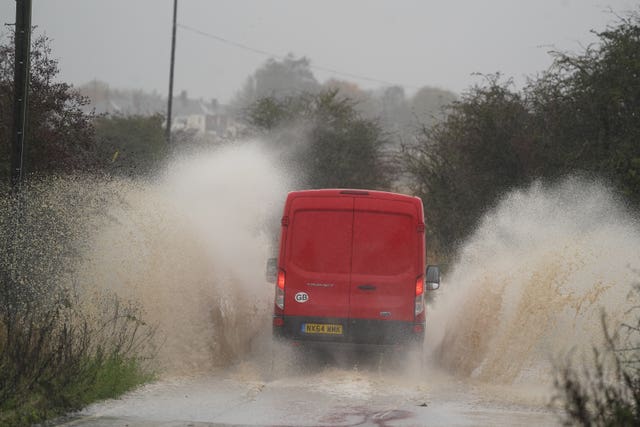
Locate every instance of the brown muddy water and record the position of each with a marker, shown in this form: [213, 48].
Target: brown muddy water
[190, 245]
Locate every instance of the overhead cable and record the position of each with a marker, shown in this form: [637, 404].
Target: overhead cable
[282, 57]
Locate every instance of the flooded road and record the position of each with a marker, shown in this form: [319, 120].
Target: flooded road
[528, 287]
[329, 397]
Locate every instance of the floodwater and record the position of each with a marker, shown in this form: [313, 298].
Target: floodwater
[329, 396]
[528, 288]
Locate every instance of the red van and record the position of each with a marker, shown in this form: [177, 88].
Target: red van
[351, 268]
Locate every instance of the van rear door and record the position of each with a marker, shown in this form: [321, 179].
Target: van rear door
[318, 257]
[385, 259]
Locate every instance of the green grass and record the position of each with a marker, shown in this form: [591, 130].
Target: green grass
[99, 378]
[115, 376]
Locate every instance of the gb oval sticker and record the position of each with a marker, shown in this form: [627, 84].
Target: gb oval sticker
[302, 297]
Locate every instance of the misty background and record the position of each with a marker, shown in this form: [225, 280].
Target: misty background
[406, 43]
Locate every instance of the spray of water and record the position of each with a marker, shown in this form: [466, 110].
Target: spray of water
[533, 281]
[191, 247]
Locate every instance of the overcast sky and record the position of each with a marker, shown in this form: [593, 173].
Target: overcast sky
[412, 43]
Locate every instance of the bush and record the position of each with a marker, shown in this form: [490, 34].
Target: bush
[608, 392]
[579, 117]
[324, 140]
[132, 145]
[57, 358]
[60, 135]
[61, 345]
[462, 165]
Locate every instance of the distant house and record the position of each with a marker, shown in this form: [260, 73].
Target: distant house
[220, 124]
[205, 118]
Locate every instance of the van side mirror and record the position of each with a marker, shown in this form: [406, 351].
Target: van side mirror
[271, 273]
[433, 277]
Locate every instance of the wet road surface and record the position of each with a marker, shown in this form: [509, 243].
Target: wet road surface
[327, 397]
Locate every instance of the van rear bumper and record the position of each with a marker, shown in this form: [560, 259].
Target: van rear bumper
[354, 331]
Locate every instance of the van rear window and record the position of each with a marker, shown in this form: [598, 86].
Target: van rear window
[321, 240]
[384, 243]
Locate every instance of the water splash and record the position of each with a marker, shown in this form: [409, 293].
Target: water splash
[531, 283]
[189, 246]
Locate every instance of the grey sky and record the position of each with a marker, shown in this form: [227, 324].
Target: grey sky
[409, 42]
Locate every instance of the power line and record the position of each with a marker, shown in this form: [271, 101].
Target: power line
[281, 57]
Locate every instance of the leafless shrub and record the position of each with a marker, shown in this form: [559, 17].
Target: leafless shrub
[605, 392]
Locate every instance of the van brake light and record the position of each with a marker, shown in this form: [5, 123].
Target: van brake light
[280, 281]
[419, 286]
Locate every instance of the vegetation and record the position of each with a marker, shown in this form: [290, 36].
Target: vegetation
[61, 135]
[54, 358]
[606, 392]
[397, 115]
[333, 147]
[60, 348]
[461, 165]
[58, 351]
[62, 344]
[585, 109]
[278, 79]
[130, 145]
[579, 117]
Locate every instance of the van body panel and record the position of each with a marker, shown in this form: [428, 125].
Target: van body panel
[318, 256]
[385, 259]
[351, 259]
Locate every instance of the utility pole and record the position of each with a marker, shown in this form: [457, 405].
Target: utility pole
[9, 274]
[21, 91]
[173, 60]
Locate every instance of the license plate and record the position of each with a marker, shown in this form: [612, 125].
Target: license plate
[321, 328]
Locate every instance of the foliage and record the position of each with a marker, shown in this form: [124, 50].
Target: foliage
[54, 358]
[463, 164]
[587, 108]
[428, 103]
[60, 345]
[277, 79]
[60, 136]
[579, 117]
[398, 115]
[607, 393]
[334, 147]
[130, 144]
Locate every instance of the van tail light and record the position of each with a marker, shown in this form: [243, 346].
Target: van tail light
[280, 281]
[419, 301]
[280, 290]
[420, 286]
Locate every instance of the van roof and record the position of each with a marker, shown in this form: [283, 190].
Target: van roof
[347, 192]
